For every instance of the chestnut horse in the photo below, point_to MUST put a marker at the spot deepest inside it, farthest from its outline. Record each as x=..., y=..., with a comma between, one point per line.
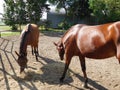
x=29, y=36
x=97, y=42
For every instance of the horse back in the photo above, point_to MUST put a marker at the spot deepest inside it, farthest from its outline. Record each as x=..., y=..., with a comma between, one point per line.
x=32, y=34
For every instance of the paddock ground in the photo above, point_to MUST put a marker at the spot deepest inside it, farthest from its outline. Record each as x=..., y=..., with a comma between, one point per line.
x=45, y=74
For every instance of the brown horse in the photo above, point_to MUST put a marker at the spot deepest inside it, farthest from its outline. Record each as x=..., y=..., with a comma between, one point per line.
x=29, y=36
x=97, y=42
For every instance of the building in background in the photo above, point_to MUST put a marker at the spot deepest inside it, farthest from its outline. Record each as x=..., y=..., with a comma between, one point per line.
x=55, y=17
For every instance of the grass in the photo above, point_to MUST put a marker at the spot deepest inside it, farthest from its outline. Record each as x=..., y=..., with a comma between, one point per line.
x=5, y=34
x=8, y=31
x=3, y=27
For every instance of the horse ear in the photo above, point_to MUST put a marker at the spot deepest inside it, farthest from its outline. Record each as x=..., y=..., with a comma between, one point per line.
x=17, y=53
x=55, y=43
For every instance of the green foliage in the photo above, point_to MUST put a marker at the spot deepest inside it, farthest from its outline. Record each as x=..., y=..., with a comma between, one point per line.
x=64, y=25
x=23, y=11
x=105, y=10
x=79, y=8
x=62, y=4
x=73, y=8
x=14, y=13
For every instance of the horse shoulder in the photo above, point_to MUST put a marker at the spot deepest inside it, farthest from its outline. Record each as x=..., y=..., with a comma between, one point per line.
x=69, y=41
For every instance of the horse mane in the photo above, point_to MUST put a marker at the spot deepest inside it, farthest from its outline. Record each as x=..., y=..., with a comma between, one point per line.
x=23, y=37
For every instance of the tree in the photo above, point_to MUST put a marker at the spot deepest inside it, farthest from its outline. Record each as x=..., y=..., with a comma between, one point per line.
x=73, y=8
x=35, y=9
x=61, y=4
x=23, y=11
x=80, y=8
x=105, y=10
x=10, y=13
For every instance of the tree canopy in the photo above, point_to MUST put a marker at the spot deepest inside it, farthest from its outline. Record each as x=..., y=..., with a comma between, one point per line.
x=30, y=11
x=105, y=10
x=23, y=11
x=73, y=7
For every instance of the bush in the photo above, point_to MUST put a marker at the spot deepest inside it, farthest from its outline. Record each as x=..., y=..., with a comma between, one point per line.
x=14, y=27
x=64, y=25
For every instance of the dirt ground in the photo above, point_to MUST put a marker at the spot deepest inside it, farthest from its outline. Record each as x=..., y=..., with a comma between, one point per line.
x=45, y=74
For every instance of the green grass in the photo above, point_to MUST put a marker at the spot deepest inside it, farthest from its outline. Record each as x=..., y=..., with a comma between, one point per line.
x=9, y=32
x=5, y=34
x=3, y=27
x=6, y=31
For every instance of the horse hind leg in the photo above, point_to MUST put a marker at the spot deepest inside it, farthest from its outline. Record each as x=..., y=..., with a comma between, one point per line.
x=118, y=59
x=118, y=53
x=83, y=66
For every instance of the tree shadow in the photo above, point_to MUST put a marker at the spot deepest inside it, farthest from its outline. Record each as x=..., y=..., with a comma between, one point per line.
x=4, y=43
x=50, y=72
x=90, y=82
x=53, y=71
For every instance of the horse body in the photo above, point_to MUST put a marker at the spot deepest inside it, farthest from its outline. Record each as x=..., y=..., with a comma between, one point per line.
x=29, y=36
x=97, y=42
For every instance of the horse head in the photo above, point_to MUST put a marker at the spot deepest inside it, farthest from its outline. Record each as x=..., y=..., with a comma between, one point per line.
x=60, y=49
x=22, y=61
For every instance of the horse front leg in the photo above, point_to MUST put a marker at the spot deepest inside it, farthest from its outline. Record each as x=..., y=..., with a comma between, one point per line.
x=36, y=53
x=32, y=50
x=67, y=62
x=83, y=66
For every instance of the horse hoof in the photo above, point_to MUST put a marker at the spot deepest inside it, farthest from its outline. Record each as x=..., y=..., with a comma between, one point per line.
x=36, y=60
x=85, y=86
x=61, y=80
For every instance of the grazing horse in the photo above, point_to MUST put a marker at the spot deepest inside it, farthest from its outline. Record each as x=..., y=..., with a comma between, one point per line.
x=97, y=42
x=29, y=36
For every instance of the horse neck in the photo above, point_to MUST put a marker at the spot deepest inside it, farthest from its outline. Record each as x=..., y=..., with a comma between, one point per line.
x=23, y=43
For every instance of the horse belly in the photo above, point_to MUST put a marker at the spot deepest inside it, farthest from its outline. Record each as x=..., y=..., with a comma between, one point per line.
x=103, y=52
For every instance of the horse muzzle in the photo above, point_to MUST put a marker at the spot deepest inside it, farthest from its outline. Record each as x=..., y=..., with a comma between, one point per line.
x=21, y=70
x=61, y=58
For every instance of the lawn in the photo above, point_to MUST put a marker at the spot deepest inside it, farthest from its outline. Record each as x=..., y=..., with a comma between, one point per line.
x=4, y=34
x=6, y=31
x=3, y=27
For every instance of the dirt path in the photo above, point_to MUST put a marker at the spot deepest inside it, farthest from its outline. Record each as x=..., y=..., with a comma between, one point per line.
x=45, y=74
